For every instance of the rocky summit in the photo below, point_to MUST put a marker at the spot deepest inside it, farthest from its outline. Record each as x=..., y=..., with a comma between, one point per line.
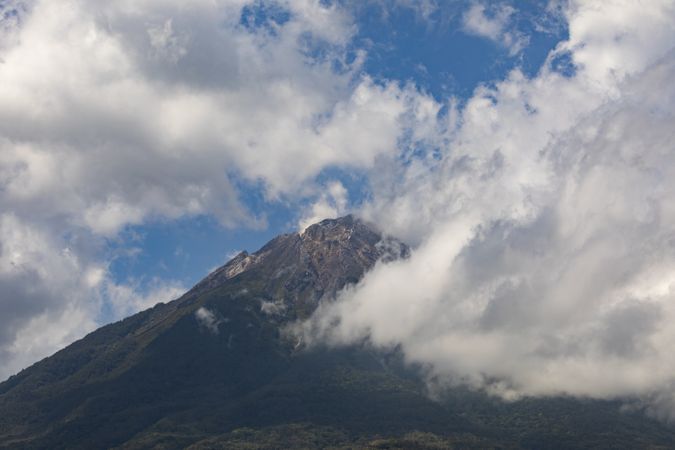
x=214, y=369
x=298, y=270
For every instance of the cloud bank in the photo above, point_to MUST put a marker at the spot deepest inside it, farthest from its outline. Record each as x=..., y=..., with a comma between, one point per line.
x=543, y=217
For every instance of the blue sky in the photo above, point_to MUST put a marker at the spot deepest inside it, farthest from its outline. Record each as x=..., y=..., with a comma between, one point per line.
x=435, y=53
x=524, y=150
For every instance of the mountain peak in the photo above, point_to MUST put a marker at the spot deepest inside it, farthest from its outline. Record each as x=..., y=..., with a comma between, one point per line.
x=344, y=223
x=299, y=269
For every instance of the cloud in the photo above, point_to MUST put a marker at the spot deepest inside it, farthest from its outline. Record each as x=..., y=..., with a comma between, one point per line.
x=271, y=308
x=207, y=319
x=129, y=298
x=331, y=203
x=34, y=273
x=494, y=24
x=147, y=111
x=53, y=293
x=167, y=43
x=544, y=230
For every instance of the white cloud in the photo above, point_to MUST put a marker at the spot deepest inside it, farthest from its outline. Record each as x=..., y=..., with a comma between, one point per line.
x=494, y=25
x=271, y=308
x=545, y=230
x=332, y=203
x=43, y=334
x=207, y=319
x=618, y=39
x=53, y=293
x=127, y=299
x=114, y=115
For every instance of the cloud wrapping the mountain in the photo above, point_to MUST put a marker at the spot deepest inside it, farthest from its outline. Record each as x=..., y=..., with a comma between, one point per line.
x=545, y=231
x=207, y=319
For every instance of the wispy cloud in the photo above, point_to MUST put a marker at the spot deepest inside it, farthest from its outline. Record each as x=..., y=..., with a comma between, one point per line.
x=495, y=24
x=207, y=319
x=332, y=203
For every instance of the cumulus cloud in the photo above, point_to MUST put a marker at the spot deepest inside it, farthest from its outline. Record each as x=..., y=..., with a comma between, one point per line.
x=54, y=293
x=44, y=294
x=113, y=115
x=544, y=232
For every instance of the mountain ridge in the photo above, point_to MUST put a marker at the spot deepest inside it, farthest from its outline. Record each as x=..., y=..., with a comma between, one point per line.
x=244, y=261
x=213, y=369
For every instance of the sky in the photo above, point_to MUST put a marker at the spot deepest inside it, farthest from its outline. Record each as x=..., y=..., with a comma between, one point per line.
x=524, y=149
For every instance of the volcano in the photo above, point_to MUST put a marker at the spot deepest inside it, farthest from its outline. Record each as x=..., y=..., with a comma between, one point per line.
x=218, y=368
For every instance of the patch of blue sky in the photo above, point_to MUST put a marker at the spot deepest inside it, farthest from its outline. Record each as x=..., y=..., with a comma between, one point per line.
x=563, y=64
x=264, y=15
x=186, y=249
x=437, y=55
x=354, y=181
x=11, y=14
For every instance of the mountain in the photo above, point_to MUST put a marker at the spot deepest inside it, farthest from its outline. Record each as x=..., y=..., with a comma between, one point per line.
x=215, y=369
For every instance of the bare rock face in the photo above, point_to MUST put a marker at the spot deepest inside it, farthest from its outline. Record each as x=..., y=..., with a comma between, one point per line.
x=300, y=269
x=240, y=263
x=337, y=252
